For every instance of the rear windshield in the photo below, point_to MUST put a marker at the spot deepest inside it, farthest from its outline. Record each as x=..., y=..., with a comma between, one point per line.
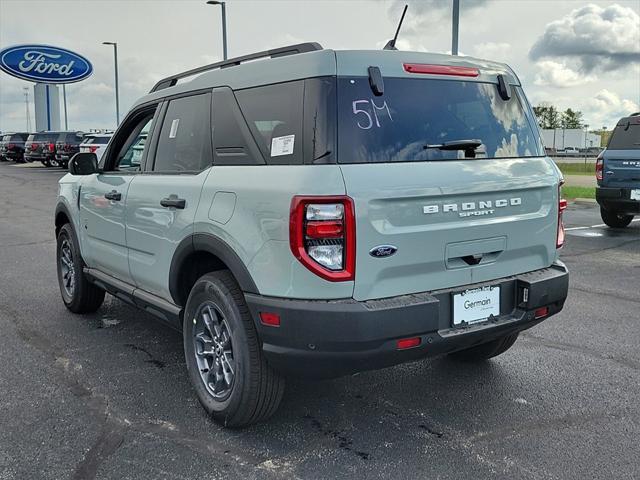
x=49, y=137
x=100, y=140
x=18, y=137
x=70, y=137
x=625, y=137
x=415, y=116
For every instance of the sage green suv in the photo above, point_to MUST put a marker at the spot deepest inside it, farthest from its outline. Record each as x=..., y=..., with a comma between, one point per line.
x=305, y=211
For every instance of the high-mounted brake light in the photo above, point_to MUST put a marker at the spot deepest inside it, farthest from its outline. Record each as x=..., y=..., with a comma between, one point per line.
x=441, y=70
x=562, y=206
x=322, y=235
x=599, y=167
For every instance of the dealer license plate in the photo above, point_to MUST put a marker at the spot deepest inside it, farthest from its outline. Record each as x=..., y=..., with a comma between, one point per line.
x=635, y=194
x=476, y=305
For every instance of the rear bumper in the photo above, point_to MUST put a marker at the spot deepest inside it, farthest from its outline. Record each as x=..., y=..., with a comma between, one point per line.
x=332, y=338
x=617, y=200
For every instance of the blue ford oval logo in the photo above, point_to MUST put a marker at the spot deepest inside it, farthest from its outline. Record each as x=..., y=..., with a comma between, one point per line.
x=44, y=63
x=383, y=251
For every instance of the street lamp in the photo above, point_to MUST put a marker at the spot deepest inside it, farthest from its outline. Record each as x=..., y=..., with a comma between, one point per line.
x=455, y=21
x=115, y=61
x=224, y=25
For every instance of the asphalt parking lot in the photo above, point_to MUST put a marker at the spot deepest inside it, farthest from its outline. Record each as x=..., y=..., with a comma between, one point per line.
x=107, y=395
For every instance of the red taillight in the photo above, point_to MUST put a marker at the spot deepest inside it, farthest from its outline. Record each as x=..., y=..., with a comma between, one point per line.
x=405, y=343
x=10, y=146
x=441, y=70
x=322, y=235
x=92, y=148
x=562, y=206
x=541, y=312
x=52, y=147
x=599, y=167
x=270, y=319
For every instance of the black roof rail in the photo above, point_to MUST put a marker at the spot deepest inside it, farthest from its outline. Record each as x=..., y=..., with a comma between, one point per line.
x=232, y=62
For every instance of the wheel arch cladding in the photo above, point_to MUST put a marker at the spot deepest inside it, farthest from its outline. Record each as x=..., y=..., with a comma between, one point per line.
x=204, y=253
x=61, y=217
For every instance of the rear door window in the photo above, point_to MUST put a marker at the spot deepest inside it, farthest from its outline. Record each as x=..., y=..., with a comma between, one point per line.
x=625, y=137
x=184, y=143
x=274, y=115
x=416, y=116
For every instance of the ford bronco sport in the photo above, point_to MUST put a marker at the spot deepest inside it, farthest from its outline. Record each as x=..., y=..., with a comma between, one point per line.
x=618, y=174
x=320, y=213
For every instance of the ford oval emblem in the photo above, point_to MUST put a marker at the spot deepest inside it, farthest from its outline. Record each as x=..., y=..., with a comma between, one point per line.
x=44, y=63
x=383, y=251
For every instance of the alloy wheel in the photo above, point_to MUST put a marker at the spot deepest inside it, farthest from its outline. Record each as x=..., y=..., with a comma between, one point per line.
x=67, y=268
x=213, y=349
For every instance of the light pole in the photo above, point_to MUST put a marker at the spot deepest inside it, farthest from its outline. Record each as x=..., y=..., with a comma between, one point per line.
x=64, y=96
x=224, y=25
x=26, y=107
x=115, y=61
x=455, y=20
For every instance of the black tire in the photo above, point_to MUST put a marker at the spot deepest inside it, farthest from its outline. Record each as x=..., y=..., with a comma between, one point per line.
x=255, y=390
x=487, y=350
x=615, y=220
x=82, y=297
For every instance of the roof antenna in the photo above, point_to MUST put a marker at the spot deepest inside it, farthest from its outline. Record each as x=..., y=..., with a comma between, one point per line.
x=391, y=44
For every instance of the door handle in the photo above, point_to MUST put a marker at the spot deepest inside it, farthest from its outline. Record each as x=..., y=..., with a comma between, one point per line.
x=113, y=195
x=173, y=201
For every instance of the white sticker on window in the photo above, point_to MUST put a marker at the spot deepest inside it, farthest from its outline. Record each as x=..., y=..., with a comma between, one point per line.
x=282, y=145
x=174, y=128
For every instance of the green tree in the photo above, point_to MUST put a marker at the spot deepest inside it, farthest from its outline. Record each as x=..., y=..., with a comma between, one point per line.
x=548, y=116
x=571, y=119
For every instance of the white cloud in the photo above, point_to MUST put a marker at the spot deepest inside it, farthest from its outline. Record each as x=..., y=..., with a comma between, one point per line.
x=606, y=108
x=559, y=75
x=498, y=52
x=597, y=37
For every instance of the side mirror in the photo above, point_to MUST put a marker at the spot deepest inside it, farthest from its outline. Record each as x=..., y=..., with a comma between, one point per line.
x=83, y=163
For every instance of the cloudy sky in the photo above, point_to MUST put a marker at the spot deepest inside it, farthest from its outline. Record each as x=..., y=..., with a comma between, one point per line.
x=579, y=54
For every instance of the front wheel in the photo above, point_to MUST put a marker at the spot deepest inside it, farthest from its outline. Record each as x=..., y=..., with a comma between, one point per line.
x=232, y=380
x=487, y=350
x=78, y=294
x=615, y=220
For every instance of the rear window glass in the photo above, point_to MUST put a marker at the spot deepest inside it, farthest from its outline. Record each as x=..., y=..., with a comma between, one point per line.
x=625, y=137
x=17, y=137
x=415, y=116
x=185, y=138
x=70, y=137
x=101, y=140
x=49, y=137
x=274, y=115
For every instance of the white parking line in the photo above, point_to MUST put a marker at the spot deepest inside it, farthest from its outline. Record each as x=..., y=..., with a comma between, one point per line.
x=594, y=226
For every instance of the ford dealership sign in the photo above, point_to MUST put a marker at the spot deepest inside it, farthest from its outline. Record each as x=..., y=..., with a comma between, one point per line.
x=44, y=64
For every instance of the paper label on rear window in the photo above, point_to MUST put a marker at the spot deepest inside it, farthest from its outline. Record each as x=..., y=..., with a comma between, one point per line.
x=174, y=128
x=282, y=145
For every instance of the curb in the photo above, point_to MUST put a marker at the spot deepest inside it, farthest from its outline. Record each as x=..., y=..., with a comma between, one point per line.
x=584, y=201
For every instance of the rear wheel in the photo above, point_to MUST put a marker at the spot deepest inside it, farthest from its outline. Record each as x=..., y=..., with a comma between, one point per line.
x=487, y=350
x=46, y=163
x=232, y=380
x=78, y=294
x=615, y=220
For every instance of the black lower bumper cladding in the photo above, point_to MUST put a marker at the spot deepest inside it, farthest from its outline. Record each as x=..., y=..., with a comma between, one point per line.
x=319, y=338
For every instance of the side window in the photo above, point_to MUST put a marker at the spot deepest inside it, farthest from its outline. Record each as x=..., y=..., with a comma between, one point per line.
x=274, y=115
x=131, y=157
x=184, y=143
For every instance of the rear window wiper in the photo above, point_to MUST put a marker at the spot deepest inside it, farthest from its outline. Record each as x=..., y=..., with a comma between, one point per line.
x=469, y=146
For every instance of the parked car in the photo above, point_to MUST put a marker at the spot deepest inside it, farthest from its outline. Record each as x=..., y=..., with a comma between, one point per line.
x=337, y=211
x=618, y=174
x=571, y=152
x=12, y=146
x=2, y=141
x=67, y=145
x=95, y=143
x=41, y=147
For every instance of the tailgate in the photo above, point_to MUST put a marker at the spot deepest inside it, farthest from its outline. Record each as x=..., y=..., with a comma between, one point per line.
x=621, y=169
x=453, y=223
